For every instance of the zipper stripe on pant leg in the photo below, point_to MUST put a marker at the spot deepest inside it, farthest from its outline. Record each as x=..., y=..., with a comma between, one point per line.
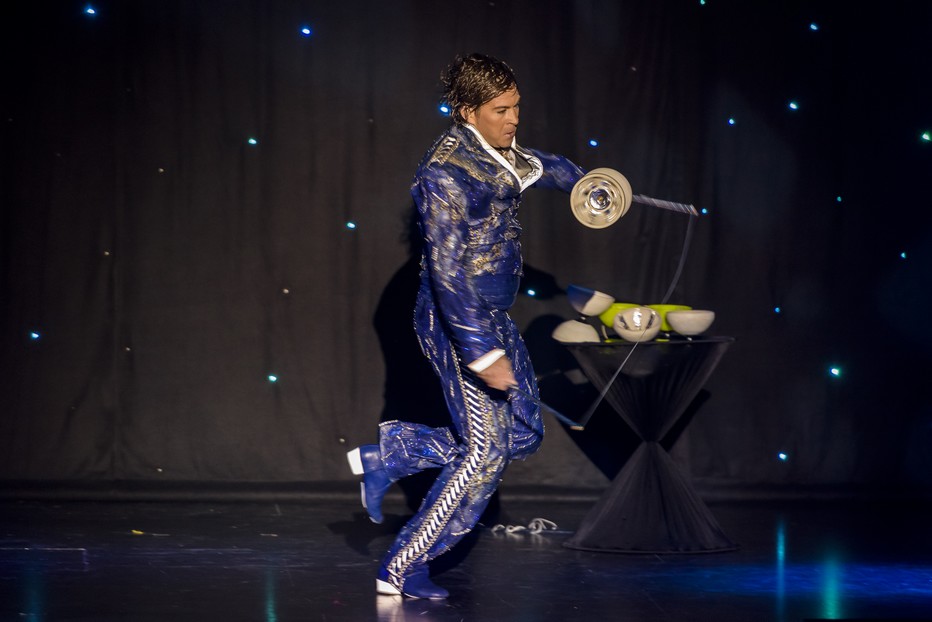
x=451, y=497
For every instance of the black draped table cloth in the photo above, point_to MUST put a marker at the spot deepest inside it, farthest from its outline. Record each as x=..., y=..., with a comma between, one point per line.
x=650, y=506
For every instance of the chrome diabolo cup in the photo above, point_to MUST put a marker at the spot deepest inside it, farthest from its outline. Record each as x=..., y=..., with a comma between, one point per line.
x=600, y=198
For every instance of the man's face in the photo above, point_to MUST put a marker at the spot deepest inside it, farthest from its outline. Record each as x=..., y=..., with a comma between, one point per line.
x=497, y=119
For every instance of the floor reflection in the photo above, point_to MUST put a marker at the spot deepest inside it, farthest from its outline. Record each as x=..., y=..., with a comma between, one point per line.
x=317, y=561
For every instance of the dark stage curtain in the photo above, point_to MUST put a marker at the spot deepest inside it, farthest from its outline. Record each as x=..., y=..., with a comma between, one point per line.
x=168, y=267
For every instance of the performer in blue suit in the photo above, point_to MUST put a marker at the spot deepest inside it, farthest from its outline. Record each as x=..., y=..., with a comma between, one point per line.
x=467, y=190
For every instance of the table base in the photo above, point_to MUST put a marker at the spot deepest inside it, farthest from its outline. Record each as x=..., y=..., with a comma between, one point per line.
x=650, y=508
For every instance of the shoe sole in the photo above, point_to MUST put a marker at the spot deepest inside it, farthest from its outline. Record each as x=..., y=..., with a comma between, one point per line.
x=355, y=462
x=387, y=589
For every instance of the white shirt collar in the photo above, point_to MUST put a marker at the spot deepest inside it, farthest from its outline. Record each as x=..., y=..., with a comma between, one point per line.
x=494, y=152
x=536, y=166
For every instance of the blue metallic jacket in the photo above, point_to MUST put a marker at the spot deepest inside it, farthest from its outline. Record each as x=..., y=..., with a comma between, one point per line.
x=467, y=196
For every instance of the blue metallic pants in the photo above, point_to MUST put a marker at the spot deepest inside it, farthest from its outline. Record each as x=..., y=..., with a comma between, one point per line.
x=489, y=430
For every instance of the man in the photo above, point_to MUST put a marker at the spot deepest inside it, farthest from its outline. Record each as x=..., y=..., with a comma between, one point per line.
x=467, y=190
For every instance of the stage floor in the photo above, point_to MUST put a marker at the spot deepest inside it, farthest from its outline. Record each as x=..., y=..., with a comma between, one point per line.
x=316, y=560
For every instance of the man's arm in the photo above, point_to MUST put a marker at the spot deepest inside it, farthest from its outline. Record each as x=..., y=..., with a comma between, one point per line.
x=443, y=203
x=559, y=172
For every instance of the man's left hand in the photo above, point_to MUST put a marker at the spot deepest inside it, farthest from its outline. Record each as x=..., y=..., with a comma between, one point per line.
x=499, y=375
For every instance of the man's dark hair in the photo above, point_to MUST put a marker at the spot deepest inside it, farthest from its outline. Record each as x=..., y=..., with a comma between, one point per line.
x=474, y=80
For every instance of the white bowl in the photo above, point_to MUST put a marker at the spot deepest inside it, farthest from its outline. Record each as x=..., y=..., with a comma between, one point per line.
x=691, y=322
x=637, y=324
x=587, y=301
x=574, y=331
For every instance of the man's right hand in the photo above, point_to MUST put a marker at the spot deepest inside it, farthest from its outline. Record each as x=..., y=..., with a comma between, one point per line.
x=499, y=375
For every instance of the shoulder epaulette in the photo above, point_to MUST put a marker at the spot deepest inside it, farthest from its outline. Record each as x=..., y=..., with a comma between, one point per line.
x=444, y=150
